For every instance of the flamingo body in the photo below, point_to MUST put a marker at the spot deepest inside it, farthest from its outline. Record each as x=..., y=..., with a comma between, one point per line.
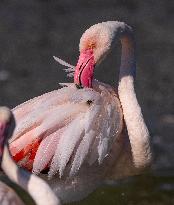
x=87, y=131
x=37, y=188
x=7, y=194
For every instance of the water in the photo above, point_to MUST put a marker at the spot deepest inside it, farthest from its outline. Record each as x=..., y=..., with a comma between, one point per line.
x=155, y=188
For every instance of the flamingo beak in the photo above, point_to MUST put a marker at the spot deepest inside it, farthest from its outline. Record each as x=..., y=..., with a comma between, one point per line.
x=84, y=70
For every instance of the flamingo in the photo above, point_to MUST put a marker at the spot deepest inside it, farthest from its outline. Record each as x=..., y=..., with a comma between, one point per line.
x=87, y=132
x=37, y=188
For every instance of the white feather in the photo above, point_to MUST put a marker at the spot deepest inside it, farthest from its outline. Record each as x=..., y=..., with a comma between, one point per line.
x=102, y=148
x=66, y=145
x=46, y=151
x=91, y=117
x=70, y=75
x=93, y=154
x=62, y=62
x=104, y=135
x=66, y=84
x=70, y=68
x=82, y=152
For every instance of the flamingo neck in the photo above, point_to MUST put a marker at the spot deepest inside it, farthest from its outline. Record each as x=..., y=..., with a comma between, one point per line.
x=37, y=188
x=136, y=127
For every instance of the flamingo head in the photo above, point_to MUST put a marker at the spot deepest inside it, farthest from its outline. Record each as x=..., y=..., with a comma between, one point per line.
x=94, y=44
x=5, y=118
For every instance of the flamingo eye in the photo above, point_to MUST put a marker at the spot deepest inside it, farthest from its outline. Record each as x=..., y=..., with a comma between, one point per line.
x=92, y=45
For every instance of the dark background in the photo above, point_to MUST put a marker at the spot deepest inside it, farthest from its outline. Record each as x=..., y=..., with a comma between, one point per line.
x=31, y=32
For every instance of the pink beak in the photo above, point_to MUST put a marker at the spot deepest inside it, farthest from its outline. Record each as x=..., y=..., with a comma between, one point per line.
x=85, y=69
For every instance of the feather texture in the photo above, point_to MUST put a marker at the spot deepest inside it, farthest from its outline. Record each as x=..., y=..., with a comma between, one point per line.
x=70, y=68
x=68, y=127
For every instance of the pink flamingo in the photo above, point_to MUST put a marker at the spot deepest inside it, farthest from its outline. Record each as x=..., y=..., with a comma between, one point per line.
x=37, y=188
x=76, y=134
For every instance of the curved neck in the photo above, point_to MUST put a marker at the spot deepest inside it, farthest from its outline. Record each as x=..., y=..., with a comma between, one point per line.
x=37, y=188
x=128, y=63
x=136, y=127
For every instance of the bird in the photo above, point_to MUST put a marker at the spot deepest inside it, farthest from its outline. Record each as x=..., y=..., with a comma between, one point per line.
x=36, y=187
x=87, y=132
x=7, y=194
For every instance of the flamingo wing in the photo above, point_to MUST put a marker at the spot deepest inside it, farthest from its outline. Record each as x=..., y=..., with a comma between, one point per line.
x=63, y=129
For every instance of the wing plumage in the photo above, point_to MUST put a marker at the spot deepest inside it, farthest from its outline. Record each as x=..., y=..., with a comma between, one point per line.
x=70, y=69
x=64, y=129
